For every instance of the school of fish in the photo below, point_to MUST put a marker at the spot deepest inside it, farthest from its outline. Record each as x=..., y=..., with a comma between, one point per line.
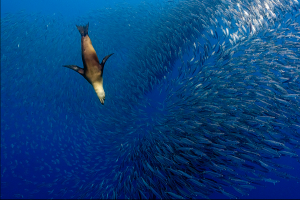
x=202, y=97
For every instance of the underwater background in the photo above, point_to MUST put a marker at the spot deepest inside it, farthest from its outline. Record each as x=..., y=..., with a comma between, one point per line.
x=202, y=100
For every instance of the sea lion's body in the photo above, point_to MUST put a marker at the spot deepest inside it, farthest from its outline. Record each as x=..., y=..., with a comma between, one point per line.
x=93, y=69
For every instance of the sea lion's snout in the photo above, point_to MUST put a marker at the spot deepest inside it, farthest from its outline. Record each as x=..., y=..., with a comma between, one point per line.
x=102, y=101
x=100, y=93
x=101, y=96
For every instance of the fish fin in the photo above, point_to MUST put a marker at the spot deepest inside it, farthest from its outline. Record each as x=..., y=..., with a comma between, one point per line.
x=75, y=68
x=83, y=30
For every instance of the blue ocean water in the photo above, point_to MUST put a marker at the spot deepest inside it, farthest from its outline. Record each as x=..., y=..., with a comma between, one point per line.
x=202, y=100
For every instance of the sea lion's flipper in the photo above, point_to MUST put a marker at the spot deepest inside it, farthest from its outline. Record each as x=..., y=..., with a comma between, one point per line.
x=101, y=66
x=83, y=30
x=75, y=68
x=105, y=59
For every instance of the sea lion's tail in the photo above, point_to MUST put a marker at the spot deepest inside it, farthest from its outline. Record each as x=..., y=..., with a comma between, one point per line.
x=83, y=30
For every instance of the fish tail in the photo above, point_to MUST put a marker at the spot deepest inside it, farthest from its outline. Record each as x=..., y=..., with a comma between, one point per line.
x=83, y=30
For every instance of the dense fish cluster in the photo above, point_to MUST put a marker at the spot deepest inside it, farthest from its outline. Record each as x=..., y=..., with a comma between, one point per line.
x=202, y=97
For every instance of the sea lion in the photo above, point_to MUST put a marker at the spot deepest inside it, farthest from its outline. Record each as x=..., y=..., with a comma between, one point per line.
x=93, y=70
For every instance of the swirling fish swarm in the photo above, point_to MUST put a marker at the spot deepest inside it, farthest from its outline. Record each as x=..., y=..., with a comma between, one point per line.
x=202, y=97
